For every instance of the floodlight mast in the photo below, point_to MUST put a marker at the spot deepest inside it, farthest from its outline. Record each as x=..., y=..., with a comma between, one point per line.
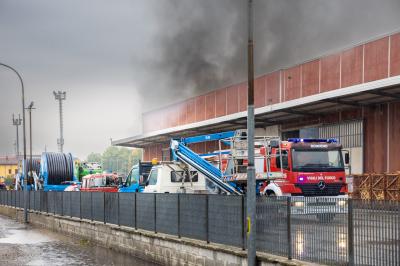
x=60, y=96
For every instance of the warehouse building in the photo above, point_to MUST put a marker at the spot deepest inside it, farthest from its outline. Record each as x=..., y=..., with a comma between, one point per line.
x=352, y=95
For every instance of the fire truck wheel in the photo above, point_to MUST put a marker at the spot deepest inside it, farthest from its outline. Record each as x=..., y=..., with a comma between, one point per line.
x=325, y=217
x=270, y=193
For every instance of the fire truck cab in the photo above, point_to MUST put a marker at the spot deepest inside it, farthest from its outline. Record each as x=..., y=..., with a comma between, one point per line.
x=310, y=167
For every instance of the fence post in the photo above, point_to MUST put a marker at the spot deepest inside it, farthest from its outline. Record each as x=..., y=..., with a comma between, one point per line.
x=62, y=203
x=135, y=211
x=207, y=222
x=179, y=216
x=155, y=213
x=350, y=231
x=80, y=205
x=69, y=199
x=242, y=223
x=119, y=223
x=91, y=205
x=289, y=227
x=104, y=207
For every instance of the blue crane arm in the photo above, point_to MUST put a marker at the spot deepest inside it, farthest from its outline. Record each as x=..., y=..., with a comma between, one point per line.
x=186, y=155
x=209, y=137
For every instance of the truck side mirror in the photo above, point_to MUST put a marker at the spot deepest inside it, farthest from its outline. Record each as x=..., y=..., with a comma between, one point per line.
x=347, y=158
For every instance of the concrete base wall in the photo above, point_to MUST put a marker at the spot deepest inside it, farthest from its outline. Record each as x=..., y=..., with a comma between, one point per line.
x=159, y=248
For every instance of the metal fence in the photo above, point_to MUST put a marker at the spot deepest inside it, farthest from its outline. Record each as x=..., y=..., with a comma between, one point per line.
x=355, y=233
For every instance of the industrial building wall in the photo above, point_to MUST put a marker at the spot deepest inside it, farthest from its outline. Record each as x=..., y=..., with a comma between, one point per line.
x=371, y=61
x=372, y=134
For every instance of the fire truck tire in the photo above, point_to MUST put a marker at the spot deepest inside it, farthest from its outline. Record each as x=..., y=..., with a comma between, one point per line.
x=270, y=193
x=325, y=217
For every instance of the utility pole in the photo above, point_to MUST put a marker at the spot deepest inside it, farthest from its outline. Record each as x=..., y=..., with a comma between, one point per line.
x=29, y=108
x=251, y=181
x=60, y=96
x=23, y=131
x=17, y=123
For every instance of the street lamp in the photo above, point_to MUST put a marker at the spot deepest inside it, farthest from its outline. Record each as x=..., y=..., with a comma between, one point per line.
x=30, y=107
x=23, y=129
x=251, y=180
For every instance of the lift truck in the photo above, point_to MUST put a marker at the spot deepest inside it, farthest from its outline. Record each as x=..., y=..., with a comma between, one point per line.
x=300, y=168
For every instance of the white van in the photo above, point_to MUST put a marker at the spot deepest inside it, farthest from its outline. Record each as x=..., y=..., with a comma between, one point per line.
x=168, y=177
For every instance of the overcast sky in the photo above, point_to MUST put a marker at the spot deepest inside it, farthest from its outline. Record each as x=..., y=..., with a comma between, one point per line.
x=117, y=58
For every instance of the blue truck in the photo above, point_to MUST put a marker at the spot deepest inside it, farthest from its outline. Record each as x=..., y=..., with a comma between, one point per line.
x=137, y=178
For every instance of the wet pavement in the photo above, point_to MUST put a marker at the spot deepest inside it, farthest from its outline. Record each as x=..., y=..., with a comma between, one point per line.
x=24, y=245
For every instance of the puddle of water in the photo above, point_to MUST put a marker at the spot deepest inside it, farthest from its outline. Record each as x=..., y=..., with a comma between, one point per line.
x=24, y=237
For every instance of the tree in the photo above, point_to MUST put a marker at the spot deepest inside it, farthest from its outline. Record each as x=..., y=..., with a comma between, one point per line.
x=120, y=160
x=94, y=157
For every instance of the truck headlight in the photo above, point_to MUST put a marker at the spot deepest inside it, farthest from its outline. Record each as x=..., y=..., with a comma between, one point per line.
x=299, y=204
x=342, y=203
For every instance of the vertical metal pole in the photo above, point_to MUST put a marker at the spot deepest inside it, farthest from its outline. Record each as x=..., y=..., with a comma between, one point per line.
x=135, y=211
x=80, y=205
x=155, y=213
x=350, y=232
x=251, y=182
x=207, y=222
x=91, y=205
x=119, y=223
x=179, y=216
x=23, y=131
x=243, y=218
x=289, y=227
x=61, y=126
x=30, y=140
x=104, y=208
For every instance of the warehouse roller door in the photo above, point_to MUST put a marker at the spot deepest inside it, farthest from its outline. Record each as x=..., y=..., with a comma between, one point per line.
x=350, y=135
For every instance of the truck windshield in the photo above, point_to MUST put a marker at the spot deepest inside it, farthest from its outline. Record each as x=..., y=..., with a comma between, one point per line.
x=153, y=177
x=317, y=160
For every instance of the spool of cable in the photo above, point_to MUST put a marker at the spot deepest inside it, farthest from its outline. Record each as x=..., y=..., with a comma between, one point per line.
x=57, y=167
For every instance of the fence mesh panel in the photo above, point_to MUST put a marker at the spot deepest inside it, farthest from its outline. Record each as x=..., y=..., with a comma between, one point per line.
x=225, y=216
x=17, y=199
x=37, y=200
x=145, y=212
x=43, y=201
x=86, y=205
x=111, y=208
x=167, y=213
x=193, y=216
x=51, y=202
x=66, y=199
x=376, y=232
x=58, y=202
x=319, y=229
x=32, y=200
x=75, y=203
x=127, y=209
x=98, y=206
x=13, y=198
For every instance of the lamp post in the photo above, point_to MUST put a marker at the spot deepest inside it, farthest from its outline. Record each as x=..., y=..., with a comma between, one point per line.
x=251, y=182
x=30, y=107
x=24, y=138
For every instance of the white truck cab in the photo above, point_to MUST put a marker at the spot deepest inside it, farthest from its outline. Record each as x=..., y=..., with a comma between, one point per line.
x=168, y=177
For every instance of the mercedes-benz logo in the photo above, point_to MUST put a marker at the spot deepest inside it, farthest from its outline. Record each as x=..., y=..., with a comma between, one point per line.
x=321, y=185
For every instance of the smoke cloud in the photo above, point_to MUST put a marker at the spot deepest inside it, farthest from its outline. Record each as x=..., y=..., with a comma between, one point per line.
x=116, y=60
x=201, y=45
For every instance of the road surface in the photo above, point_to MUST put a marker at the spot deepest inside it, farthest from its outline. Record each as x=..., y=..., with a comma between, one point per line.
x=23, y=245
